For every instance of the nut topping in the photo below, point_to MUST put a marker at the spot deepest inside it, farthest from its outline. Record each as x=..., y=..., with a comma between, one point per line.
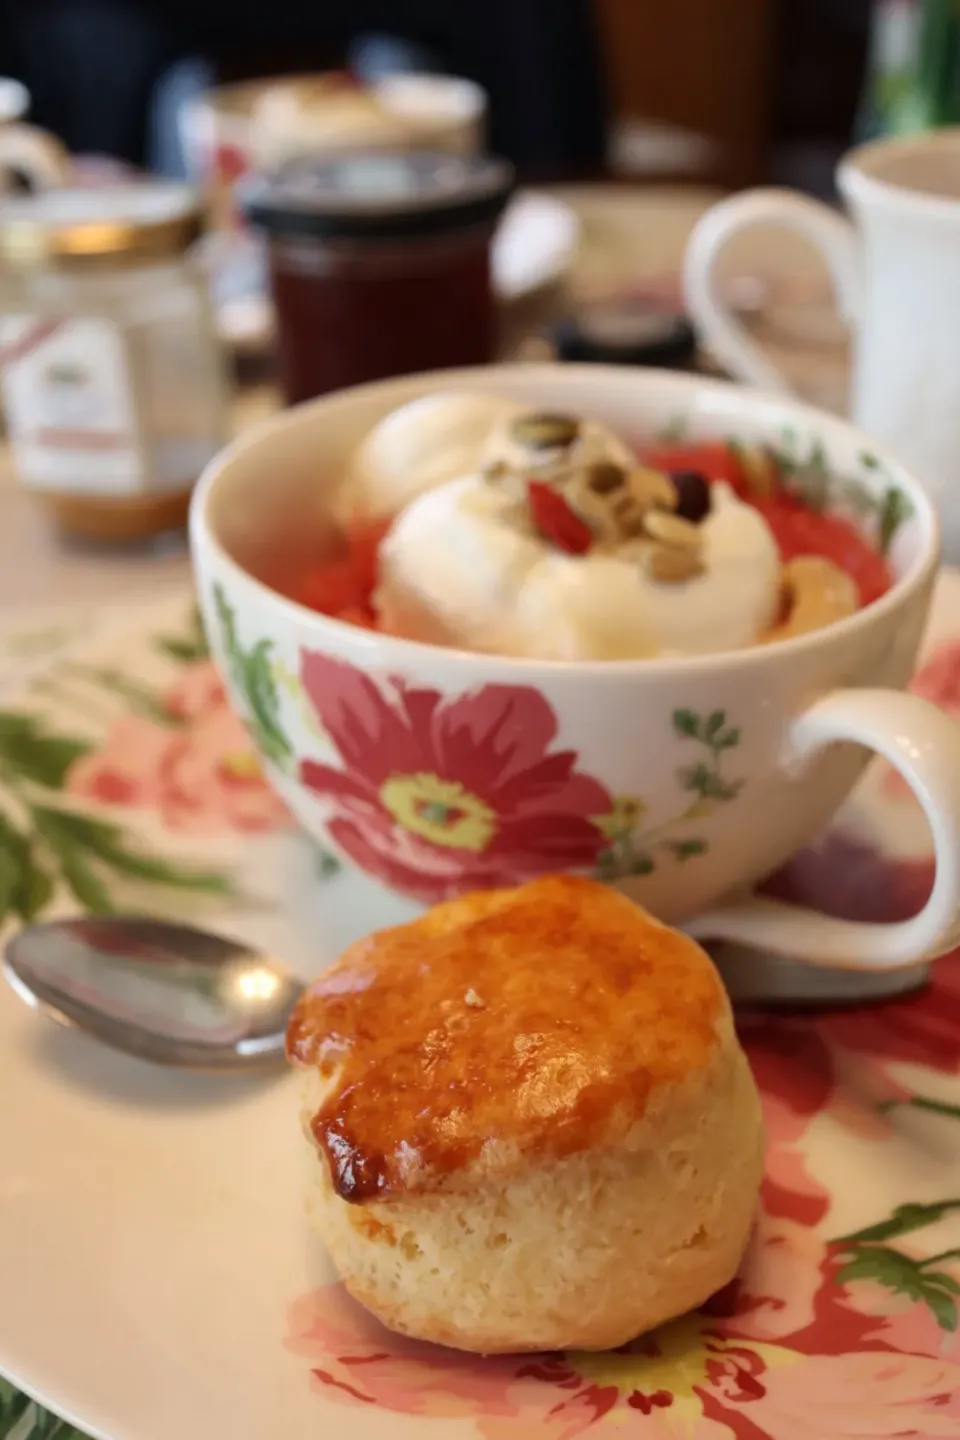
x=653, y=488
x=672, y=564
x=545, y=431
x=578, y=504
x=672, y=530
x=631, y=518
x=606, y=477
x=816, y=593
x=760, y=469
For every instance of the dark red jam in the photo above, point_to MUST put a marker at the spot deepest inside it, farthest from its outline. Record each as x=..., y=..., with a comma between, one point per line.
x=380, y=265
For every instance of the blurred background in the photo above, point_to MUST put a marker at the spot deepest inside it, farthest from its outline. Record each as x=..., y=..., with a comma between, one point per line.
x=730, y=93
x=591, y=134
x=733, y=93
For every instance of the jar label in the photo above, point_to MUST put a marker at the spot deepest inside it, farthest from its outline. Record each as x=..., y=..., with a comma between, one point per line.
x=69, y=405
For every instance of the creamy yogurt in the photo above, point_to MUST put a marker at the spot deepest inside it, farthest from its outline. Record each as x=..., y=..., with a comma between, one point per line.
x=419, y=446
x=462, y=566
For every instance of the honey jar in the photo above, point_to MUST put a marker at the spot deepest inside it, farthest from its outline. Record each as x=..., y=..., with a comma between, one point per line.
x=111, y=378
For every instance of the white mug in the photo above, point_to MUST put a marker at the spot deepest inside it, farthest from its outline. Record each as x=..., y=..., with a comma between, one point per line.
x=896, y=271
x=683, y=781
x=25, y=149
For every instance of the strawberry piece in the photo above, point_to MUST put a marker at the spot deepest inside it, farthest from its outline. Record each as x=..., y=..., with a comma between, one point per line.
x=364, y=541
x=361, y=615
x=555, y=520
x=714, y=459
x=343, y=587
x=331, y=587
x=799, y=531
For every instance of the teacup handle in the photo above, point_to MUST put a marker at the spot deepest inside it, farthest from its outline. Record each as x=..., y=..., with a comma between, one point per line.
x=36, y=154
x=825, y=228
x=924, y=745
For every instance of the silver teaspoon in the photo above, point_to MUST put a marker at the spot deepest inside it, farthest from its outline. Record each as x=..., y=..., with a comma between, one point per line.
x=167, y=993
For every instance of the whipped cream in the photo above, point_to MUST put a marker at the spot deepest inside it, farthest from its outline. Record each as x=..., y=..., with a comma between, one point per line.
x=419, y=446
x=462, y=566
x=445, y=436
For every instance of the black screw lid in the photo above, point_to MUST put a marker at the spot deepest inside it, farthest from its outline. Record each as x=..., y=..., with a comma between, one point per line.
x=627, y=333
x=377, y=194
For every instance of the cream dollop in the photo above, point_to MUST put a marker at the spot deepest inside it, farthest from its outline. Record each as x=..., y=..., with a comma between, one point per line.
x=462, y=566
x=444, y=436
x=419, y=446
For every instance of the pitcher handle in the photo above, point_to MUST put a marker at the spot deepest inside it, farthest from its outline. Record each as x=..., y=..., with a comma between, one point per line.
x=36, y=154
x=824, y=227
x=924, y=745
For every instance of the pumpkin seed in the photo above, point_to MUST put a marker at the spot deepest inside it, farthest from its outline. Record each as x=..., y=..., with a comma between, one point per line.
x=605, y=477
x=672, y=564
x=672, y=530
x=545, y=431
x=652, y=487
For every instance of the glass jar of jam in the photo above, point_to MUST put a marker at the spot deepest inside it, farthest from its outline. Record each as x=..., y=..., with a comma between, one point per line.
x=379, y=264
x=111, y=377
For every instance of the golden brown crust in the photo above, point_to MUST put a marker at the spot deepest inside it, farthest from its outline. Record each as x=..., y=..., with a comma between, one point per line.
x=540, y=1018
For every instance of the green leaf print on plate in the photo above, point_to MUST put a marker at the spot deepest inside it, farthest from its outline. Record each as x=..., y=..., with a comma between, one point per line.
x=48, y=846
x=903, y=1275
x=923, y=1102
x=22, y=1419
x=84, y=847
x=85, y=854
x=252, y=673
x=631, y=849
x=864, y=1256
x=26, y=887
x=193, y=645
x=27, y=752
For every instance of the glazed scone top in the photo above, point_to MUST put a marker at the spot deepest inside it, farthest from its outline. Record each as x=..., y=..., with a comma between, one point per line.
x=539, y=1020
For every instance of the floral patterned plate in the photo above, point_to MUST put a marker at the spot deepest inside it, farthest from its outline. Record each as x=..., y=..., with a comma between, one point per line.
x=158, y=1275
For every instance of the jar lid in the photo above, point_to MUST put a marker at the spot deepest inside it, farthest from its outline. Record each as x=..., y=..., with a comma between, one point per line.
x=377, y=194
x=135, y=221
x=629, y=332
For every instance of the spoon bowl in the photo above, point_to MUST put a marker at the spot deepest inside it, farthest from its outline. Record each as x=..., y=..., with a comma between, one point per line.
x=168, y=993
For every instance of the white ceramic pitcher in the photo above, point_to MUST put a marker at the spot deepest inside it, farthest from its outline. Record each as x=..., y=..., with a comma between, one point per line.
x=896, y=271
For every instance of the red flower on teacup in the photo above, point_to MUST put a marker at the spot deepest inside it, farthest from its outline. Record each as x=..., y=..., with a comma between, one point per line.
x=439, y=794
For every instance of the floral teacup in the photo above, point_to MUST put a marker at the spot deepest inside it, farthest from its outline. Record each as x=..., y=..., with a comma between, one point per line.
x=684, y=781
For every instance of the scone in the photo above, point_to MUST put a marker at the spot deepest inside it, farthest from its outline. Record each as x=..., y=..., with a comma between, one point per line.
x=532, y=1125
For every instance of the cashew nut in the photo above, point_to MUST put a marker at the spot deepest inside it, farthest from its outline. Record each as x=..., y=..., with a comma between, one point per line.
x=816, y=593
